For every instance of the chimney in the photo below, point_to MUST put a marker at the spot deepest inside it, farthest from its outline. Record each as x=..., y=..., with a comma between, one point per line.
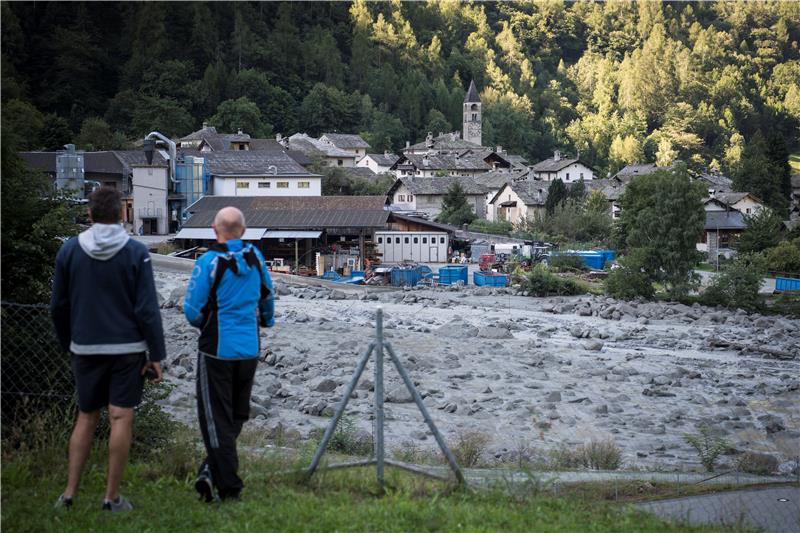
x=386, y=153
x=239, y=132
x=441, y=134
x=408, y=144
x=425, y=160
x=205, y=125
x=278, y=137
x=499, y=149
x=557, y=155
x=429, y=140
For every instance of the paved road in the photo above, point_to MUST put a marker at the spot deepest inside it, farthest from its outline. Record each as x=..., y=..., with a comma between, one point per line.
x=772, y=510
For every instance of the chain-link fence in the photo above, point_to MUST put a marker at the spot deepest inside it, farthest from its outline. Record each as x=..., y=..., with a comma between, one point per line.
x=36, y=374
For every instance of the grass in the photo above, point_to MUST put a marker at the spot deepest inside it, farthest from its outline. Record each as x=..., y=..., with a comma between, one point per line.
x=331, y=501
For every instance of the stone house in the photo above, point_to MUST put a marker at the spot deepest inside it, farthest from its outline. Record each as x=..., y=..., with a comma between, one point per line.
x=351, y=143
x=424, y=195
x=567, y=169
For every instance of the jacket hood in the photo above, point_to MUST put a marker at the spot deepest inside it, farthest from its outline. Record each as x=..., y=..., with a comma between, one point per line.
x=103, y=241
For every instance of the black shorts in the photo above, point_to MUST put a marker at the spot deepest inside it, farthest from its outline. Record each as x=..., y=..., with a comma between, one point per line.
x=104, y=380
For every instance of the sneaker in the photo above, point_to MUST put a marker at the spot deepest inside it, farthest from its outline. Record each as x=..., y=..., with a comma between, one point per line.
x=66, y=503
x=121, y=503
x=204, y=486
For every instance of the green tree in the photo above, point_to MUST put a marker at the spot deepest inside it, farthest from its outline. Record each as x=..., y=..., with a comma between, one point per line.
x=763, y=231
x=22, y=124
x=242, y=113
x=437, y=123
x=55, y=133
x=764, y=171
x=557, y=194
x=596, y=202
x=327, y=109
x=95, y=134
x=34, y=222
x=455, y=207
x=386, y=132
x=577, y=191
x=785, y=257
x=738, y=284
x=662, y=216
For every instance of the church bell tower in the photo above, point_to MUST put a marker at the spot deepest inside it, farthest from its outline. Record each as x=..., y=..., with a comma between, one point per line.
x=472, y=115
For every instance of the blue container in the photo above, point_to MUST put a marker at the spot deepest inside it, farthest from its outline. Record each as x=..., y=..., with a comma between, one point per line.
x=591, y=259
x=451, y=274
x=608, y=255
x=332, y=275
x=787, y=284
x=490, y=279
x=410, y=276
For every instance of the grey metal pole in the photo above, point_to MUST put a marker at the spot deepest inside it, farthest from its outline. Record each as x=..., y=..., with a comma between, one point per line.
x=428, y=420
x=379, y=451
x=326, y=437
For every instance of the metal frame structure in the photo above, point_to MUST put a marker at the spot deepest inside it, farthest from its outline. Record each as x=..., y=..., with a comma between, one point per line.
x=379, y=460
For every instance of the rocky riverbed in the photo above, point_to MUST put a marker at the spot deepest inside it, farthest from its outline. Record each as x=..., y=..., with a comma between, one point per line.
x=531, y=373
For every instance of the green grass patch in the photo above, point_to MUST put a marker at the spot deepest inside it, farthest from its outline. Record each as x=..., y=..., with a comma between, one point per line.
x=331, y=501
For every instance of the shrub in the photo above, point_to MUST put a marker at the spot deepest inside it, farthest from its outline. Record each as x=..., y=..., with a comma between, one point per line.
x=498, y=227
x=629, y=280
x=708, y=446
x=468, y=447
x=785, y=257
x=411, y=452
x=738, y=283
x=541, y=282
x=597, y=454
x=563, y=263
x=346, y=439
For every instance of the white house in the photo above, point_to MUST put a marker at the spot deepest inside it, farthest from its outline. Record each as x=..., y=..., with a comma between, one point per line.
x=378, y=163
x=260, y=173
x=494, y=180
x=517, y=201
x=744, y=202
x=150, y=188
x=432, y=165
x=425, y=195
x=567, y=169
x=351, y=143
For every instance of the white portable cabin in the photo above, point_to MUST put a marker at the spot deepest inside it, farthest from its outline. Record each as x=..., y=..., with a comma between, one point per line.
x=420, y=246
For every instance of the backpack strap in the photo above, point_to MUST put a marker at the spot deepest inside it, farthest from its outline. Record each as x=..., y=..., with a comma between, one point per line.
x=251, y=259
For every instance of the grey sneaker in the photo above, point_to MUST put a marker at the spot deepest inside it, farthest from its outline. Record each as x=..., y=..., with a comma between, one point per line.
x=120, y=504
x=204, y=486
x=66, y=503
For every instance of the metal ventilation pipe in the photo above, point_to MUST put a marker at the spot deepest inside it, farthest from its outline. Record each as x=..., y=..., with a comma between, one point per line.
x=173, y=151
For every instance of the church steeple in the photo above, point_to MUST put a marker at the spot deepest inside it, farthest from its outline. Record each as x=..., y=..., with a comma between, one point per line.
x=472, y=115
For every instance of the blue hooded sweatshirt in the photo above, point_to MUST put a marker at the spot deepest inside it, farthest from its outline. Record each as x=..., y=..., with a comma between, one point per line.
x=229, y=295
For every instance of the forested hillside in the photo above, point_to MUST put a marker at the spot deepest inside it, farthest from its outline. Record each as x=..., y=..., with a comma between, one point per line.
x=619, y=81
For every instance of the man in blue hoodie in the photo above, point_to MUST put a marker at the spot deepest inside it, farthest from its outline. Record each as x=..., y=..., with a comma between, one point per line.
x=229, y=296
x=106, y=314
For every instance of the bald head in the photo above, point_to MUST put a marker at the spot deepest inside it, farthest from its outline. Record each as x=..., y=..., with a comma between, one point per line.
x=228, y=224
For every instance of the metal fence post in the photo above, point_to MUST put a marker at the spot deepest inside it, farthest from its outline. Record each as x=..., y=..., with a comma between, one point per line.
x=379, y=451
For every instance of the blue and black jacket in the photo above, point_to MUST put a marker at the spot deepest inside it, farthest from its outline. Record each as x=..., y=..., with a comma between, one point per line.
x=229, y=296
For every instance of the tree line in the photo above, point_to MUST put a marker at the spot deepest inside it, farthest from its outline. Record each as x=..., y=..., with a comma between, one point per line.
x=621, y=82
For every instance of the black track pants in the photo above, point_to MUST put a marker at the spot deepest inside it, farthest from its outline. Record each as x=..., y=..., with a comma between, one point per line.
x=223, y=406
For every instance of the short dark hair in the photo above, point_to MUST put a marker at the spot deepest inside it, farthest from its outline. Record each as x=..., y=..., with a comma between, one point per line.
x=105, y=205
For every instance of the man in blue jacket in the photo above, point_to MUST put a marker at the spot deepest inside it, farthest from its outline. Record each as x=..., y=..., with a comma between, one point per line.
x=106, y=314
x=229, y=296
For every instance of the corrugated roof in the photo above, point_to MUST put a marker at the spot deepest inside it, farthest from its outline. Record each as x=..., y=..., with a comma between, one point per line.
x=345, y=140
x=472, y=93
x=251, y=163
x=296, y=212
x=105, y=162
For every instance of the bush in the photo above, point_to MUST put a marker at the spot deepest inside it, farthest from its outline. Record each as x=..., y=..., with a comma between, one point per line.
x=468, y=447
x=738, y=283
x=541, y=282
x=346, y=439
x=597, y=454
x=708, y=446
x=498, y=227
x=563, y=263
x=630, y=280
x=785, y=257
